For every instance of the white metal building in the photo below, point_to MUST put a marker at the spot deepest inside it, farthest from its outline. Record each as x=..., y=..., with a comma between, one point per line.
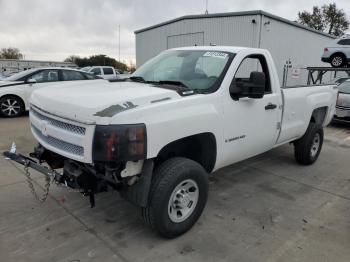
x=11, y=66
x=283, y=38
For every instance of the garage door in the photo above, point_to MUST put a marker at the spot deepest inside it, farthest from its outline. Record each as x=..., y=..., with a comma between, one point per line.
x=185, y=40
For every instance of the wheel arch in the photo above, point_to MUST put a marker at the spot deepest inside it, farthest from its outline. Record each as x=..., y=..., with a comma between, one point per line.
x=201, y=148
x=17, y=96
x=338, y=53
x=318, y=115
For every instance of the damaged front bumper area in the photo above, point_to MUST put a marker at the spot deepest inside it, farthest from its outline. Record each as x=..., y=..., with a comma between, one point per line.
x=88, y=179
x=31, y=163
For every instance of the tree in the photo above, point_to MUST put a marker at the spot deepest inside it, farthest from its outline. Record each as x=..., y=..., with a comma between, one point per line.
x=96, y=60
x=327, y=18
x=71, y=58
x=10, y=53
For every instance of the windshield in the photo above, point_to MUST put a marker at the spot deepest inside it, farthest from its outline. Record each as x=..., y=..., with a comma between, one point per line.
x=19, y=75
x=197, y=70
x=344, y=87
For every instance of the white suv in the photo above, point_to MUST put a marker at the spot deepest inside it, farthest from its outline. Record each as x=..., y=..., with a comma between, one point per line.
x=338, y=52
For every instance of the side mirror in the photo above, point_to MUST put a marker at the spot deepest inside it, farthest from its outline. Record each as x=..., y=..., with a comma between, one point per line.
x=254, y=87
x=31, y=81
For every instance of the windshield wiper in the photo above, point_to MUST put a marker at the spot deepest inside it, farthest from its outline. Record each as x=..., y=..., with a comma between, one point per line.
x=170, y=82
x=162, y=82
x=137, y=79
x=140, y=79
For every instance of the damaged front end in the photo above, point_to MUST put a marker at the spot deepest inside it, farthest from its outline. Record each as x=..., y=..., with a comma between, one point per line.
x=131, y=178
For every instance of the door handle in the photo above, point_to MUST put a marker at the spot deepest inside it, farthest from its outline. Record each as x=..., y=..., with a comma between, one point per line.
x=270, y=106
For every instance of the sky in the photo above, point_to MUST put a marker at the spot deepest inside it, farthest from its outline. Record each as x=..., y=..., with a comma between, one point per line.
x=54, y=30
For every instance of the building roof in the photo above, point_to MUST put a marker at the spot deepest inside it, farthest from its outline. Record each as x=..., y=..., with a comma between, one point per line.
x=244, y=13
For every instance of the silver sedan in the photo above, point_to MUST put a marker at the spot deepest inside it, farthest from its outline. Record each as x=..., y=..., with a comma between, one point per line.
x=343, y=103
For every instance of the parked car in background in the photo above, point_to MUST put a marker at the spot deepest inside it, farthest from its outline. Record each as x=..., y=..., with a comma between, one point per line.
x=105, y=72
x=340, y=80
x=338, y=52
x=16, y=89
x=342, y=112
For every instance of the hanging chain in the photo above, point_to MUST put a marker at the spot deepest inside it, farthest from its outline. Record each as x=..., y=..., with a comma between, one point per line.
x=31, y=185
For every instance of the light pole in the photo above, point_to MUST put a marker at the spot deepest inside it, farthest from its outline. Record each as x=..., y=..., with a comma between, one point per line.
x=119, y=43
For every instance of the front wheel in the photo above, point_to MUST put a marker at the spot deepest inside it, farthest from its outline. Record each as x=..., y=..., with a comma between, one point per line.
x=11, y=106
x=308, y=147
x=178, y=196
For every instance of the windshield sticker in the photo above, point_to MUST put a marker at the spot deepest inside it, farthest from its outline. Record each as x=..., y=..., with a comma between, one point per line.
x=216, y=54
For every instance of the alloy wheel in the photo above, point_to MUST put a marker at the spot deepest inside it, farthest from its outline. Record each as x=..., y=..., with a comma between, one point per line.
x=337, y=61
x=10, y=107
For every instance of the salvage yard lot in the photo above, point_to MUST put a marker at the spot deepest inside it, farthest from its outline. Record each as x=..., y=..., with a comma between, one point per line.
x=267, y=208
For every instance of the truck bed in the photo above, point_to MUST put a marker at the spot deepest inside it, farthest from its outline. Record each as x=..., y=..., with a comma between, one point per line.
x=298, y=104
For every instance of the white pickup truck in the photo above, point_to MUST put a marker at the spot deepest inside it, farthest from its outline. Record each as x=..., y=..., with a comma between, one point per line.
x=184, y=114
x=105, y=72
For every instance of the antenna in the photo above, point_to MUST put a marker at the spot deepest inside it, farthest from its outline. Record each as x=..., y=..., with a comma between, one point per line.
x=206, y=7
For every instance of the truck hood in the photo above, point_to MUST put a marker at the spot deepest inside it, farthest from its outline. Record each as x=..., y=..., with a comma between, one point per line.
x=87, y=102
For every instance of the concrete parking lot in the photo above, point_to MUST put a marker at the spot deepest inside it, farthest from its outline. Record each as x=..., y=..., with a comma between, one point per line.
x=267, y=208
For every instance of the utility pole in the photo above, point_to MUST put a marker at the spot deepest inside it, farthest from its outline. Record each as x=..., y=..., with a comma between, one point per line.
x=119, y=43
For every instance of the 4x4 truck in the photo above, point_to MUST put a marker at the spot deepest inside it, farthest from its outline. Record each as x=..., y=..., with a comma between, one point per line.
x=156, y=136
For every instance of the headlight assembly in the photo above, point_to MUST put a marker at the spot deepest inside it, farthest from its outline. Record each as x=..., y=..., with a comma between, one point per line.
x=119, y=143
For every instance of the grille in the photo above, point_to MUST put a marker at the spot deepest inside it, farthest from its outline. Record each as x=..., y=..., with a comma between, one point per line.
x=62, y=125
x=59, y=144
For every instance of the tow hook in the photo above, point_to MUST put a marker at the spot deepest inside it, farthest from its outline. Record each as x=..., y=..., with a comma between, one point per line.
x=31, y=163
x=27, y=162
x=50, y=174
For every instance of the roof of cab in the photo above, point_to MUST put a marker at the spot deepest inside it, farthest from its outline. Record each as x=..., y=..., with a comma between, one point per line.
x=231, y=49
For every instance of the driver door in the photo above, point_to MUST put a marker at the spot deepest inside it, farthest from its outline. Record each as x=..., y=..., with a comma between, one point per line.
x=250, y=125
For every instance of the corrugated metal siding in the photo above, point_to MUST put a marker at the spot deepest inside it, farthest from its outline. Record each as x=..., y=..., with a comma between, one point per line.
x=283, y=40
x=234, y=31
x=302, y=47
x=185, y=40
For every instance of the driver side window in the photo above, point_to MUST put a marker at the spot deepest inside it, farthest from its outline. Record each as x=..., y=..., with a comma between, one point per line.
x=253, y=63
x=45, y=76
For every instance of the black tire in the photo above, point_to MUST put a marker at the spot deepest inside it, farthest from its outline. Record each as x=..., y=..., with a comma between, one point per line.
x=338, y=60
x=167, y=177
x=5, y=106
x=305, y=148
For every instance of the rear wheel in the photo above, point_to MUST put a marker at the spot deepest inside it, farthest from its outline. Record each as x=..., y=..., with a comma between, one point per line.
x=338, y=60
x=308, y=148
x=178, y=196
x=11, y=106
